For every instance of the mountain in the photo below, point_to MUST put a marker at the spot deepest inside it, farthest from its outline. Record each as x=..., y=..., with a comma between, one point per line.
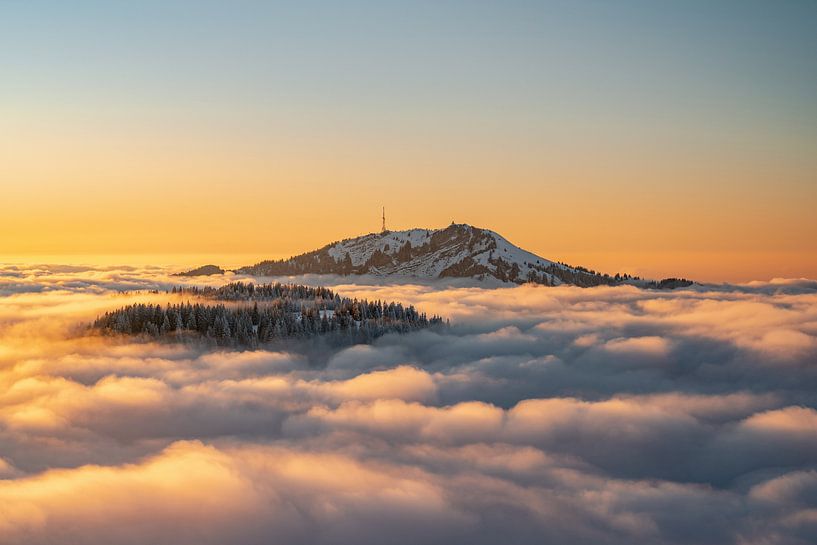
x=457, y=251
x=204, y=270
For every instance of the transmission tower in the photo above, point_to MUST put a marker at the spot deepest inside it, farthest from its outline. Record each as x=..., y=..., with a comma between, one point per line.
x=383, y=227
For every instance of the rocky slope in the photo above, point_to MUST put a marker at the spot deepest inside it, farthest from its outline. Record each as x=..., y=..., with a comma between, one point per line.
x=457, y=251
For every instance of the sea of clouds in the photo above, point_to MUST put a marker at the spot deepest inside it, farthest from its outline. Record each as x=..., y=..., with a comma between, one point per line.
x=542, y=415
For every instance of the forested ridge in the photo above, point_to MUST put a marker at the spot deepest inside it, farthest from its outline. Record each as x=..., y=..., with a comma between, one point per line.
x=248, y=291
x=278, y=312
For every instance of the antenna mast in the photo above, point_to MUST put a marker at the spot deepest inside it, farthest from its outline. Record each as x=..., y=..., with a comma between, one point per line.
x=383, y=228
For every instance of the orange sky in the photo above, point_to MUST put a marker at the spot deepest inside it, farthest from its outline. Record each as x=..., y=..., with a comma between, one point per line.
x=718, y=219
x=689, y=149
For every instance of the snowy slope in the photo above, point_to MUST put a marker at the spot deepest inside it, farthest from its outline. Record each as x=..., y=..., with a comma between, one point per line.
x=463, y=241
x=458, y=251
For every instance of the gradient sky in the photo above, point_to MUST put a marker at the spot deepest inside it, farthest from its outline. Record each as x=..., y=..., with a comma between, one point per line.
x=671, y=138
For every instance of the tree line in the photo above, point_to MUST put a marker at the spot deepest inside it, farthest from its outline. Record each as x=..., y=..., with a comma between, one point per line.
x=340, y=320
x=248, y=291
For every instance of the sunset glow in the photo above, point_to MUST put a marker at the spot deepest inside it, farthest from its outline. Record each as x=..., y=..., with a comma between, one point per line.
x=532, y=272
x=617, y=146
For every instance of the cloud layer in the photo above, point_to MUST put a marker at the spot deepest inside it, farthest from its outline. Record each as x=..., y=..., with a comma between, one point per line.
x=545, y=415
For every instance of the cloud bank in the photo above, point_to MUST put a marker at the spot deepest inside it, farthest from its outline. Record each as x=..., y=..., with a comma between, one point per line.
x=544, y=415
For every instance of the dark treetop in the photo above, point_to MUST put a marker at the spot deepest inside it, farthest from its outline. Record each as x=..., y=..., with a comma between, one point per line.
x=278, y=312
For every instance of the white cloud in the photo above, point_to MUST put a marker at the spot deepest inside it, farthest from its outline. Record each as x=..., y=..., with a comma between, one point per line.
x=609, y=415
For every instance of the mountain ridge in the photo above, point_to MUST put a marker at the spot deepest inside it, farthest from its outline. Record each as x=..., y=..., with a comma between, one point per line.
x=455, y=251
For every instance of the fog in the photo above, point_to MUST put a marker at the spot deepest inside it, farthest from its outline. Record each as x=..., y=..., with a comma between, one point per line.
x=541, y=415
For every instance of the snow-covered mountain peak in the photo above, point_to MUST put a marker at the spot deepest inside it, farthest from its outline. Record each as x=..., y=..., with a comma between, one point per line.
x=459, y=250
x=433, y=252
x=456, y=251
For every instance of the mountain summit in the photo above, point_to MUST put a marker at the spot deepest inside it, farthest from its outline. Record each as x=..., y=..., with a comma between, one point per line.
x=457, y=251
